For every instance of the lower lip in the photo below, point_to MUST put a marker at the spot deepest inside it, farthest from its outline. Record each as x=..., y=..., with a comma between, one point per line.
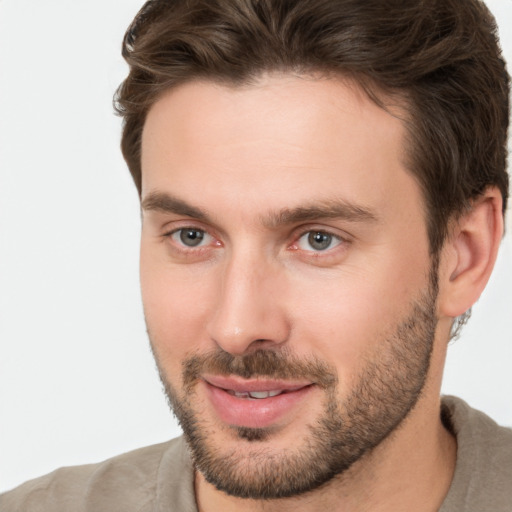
x=254, y=413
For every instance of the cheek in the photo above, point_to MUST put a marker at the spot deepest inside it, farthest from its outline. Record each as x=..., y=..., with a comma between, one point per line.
x=340, y=327
x=176, y=306
x=346, y=319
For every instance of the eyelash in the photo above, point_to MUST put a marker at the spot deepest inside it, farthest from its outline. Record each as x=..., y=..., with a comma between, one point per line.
x=185, y=250
x=332, y=238
x=294, y=246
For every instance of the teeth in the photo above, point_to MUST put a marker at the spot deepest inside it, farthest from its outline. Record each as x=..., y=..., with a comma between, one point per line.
x=255, y=394
x=263, y=394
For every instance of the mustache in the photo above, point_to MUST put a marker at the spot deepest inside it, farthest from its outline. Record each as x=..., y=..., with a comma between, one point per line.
x=260, y=363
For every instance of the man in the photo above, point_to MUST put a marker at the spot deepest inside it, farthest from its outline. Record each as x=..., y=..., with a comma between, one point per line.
x=322, y=189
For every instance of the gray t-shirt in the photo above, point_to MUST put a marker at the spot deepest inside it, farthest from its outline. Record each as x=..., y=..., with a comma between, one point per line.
x=160, y=478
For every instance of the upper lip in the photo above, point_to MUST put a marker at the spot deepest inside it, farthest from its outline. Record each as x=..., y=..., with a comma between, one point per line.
x=240, y=385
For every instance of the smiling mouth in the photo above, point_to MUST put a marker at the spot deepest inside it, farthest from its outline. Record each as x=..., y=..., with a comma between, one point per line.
x=260, y=395
x=257, y=389
x=256, y=403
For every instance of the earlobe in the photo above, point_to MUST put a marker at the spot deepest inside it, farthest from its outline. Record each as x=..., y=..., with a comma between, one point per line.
x=470, y=253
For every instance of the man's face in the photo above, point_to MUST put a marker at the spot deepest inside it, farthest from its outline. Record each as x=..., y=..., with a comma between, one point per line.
x=287, y=285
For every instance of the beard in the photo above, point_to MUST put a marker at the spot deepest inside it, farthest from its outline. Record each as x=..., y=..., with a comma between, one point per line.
x=384, y=393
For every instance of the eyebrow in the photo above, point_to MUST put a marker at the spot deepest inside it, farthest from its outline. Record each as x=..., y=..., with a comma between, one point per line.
x=165, y=203
x=327, y=209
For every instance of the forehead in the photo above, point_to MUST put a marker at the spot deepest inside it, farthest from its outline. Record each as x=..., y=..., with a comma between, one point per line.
x=286, y=139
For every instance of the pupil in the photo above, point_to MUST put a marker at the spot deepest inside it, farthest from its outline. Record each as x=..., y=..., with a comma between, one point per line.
x=191, y=237
x=319, y=240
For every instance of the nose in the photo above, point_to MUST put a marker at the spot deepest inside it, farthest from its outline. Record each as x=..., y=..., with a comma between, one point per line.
x=250, y=309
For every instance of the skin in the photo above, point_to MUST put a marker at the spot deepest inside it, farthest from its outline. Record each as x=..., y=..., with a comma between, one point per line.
x=241, y=159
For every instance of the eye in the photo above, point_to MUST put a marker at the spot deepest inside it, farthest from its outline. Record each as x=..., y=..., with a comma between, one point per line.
x=191, y=237
x=318, y=241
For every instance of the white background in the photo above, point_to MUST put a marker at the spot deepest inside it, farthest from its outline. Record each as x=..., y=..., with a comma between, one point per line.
x=77, y=380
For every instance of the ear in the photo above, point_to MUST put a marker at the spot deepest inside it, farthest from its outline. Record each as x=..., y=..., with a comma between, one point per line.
x=469, y=254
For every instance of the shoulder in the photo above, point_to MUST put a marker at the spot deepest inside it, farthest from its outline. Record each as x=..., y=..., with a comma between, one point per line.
x=476, y=431
x=483, y=471
x=125, y=483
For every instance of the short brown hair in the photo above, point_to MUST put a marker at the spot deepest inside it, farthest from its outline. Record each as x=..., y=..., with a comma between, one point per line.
x=441, y=56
